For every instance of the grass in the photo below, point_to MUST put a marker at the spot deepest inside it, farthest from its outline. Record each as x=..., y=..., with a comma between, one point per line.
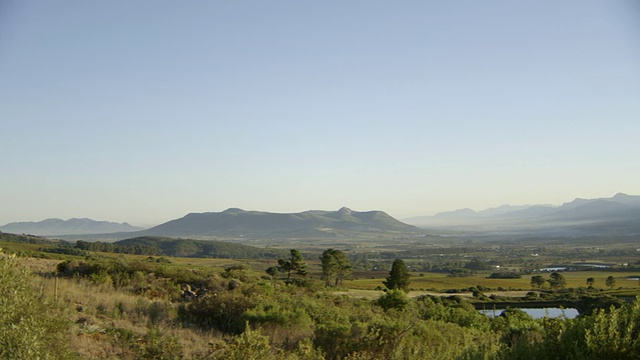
x=441, y=282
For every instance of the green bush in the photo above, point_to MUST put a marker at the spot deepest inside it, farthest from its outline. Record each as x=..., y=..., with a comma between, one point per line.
x=29, y=326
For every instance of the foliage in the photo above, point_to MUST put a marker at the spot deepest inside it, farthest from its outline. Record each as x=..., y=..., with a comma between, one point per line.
x=243, y=315
x=294, y=264
x=456, y=272
x=610, y=282
x=557, y=280
x=29, y=326
x=154, y=278
x=505, y=275
x=65, y=250
x=155, y=245
x=335, y=267
x=399, y=277
x=477, y=264
x=537, y=281
x=393, y=299
x=611, y=334
x=135, y=249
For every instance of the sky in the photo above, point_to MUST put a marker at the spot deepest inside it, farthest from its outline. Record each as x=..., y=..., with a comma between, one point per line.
x=143, y=111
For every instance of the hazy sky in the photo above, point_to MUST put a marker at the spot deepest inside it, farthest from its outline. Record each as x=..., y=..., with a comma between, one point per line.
x=144, y=111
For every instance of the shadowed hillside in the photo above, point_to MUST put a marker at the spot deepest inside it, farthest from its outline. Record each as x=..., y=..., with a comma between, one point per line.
x=201, y=248
x=240, y=223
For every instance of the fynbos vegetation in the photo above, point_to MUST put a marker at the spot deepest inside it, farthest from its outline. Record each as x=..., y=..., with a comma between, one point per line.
x=150, y=307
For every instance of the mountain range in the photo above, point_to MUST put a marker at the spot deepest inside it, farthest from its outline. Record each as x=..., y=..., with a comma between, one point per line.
x=231, y=223
x=253, y=224
x=74, y=226
x=619, y=214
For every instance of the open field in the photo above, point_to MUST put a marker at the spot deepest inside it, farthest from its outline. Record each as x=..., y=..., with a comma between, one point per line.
x=441, y=282
x=374, y=294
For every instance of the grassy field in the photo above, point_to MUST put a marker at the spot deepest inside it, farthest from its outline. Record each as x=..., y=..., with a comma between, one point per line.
x=440, y=281
x=367, y=280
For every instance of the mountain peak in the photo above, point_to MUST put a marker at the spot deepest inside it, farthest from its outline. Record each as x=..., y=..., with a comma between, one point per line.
x=344, y=210
x=233, y=211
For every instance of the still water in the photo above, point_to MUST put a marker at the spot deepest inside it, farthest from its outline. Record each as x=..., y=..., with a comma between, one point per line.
x=550, y=312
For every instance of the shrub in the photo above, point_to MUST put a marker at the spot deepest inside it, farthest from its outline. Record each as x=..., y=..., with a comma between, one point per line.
x=29, y=326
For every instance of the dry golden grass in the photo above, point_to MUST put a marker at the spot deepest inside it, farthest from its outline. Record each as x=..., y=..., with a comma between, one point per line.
x=99, y=314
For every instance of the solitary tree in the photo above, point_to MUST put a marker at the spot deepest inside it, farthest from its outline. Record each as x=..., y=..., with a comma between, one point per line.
x=610, y=282
x=590, y=282
x=335, y=267
x=557, y=281
x=398, y=276
x=294, y=264
x=537, y=281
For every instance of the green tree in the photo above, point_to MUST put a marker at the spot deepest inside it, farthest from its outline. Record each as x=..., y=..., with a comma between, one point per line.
x=557, y=281
x=537, y=281
x=610, y=282
x=590, y=281
x=335, y=267
x=399, y=277
x=294, y=264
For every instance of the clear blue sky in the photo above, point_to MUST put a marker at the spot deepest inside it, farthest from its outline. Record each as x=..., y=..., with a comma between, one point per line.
x=143, y=111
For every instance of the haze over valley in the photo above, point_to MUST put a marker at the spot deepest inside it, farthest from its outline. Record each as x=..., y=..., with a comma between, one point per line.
x=618, y=215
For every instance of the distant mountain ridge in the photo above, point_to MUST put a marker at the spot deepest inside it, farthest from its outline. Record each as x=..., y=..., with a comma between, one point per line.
x=74, y=226
x=235, y=222
x=620, y=213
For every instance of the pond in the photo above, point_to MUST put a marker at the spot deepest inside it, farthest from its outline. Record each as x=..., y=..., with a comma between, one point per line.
x=537, y=313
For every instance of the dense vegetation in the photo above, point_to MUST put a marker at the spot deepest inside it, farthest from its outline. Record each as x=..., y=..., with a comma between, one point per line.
x=154, y=245
x=92, y=305
x=138, y=309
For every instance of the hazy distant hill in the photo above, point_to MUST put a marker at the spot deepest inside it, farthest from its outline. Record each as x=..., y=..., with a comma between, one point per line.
x=314, y=223
x=619, y=214
x=53, y=227
x=203, y=248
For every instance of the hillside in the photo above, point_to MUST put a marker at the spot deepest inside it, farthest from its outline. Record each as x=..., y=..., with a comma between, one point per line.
x=54, y=227
x=201, y=248
x=252, y=224
x=28, y=239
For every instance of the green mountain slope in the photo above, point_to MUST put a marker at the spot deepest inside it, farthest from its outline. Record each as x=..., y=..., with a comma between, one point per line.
x=252, y=224
x=202, y=248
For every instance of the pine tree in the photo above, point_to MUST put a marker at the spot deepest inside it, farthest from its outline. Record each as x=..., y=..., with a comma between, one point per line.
x=398, y=276
x=295, y=264
x=335, y=267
